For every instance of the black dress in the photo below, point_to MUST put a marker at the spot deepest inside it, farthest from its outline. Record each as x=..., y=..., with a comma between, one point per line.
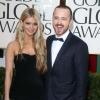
x=27, y=83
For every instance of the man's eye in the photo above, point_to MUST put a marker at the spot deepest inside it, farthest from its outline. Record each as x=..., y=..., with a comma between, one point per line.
x=63, y=18
x=35, y=24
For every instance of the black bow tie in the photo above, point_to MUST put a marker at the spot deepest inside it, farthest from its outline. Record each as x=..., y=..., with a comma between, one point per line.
x=59, y=39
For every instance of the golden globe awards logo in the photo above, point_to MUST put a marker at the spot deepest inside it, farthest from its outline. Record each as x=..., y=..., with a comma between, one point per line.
x=10, y=11
x=86, y=22
x=86, y=16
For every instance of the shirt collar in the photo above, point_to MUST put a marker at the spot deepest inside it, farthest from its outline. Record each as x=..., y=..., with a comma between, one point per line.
x=64, y=36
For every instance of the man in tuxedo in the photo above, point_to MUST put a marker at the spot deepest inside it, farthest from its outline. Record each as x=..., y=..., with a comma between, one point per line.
x=67, y=60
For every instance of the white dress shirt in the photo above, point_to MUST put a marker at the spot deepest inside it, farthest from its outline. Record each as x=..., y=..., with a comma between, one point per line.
x=56, y=46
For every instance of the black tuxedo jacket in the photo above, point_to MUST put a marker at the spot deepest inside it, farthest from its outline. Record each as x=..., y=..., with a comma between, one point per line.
x=67, y=78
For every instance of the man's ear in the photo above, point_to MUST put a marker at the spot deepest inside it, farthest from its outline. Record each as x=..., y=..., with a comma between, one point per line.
x=71, y=24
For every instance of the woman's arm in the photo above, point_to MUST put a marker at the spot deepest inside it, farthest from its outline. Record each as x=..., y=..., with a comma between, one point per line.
x=8, y=70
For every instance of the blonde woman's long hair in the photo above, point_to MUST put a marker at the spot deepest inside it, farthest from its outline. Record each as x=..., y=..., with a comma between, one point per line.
x=40, y=46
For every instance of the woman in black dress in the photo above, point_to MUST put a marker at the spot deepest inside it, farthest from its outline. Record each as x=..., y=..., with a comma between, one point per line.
x=26, y=60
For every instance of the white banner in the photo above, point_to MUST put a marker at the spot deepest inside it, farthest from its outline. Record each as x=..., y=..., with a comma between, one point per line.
x=10, y=11
x=86, y=15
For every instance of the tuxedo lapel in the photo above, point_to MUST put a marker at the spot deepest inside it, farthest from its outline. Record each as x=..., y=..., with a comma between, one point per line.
x=64, y=48
x=49, y=59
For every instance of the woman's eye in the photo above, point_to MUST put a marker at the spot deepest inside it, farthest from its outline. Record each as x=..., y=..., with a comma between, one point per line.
x=27, y=23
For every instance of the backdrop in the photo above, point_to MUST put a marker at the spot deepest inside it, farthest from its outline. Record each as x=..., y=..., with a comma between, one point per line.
x=86, y=19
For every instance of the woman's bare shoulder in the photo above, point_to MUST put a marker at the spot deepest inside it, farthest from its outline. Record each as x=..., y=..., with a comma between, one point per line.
x=13, y=46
